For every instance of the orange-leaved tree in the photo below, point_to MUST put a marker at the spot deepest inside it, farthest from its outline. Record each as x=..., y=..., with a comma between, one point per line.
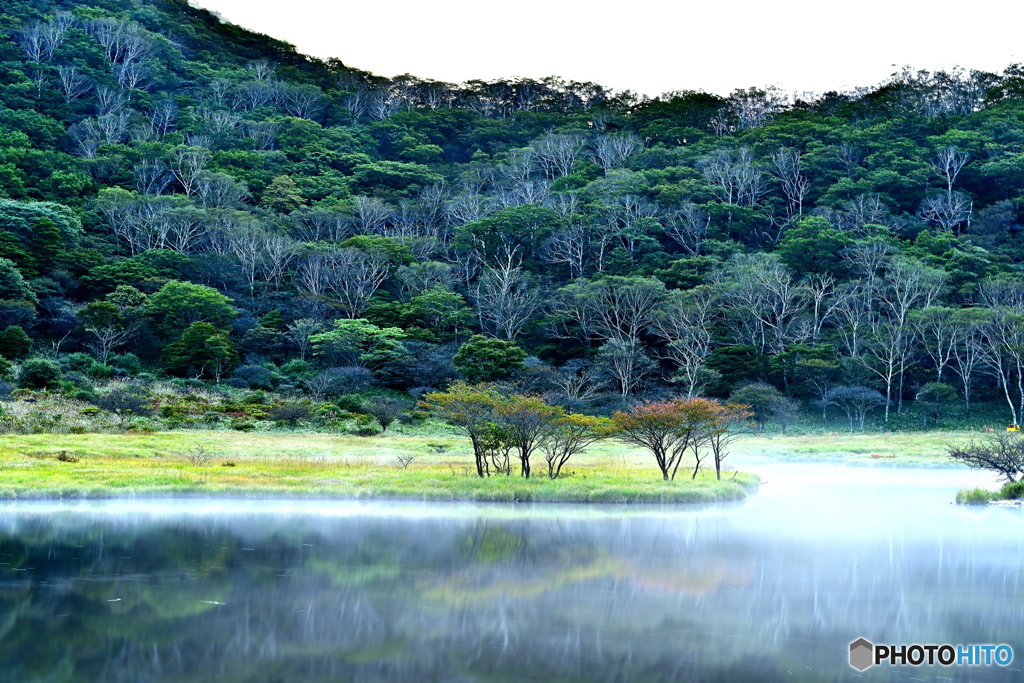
x=671, y=429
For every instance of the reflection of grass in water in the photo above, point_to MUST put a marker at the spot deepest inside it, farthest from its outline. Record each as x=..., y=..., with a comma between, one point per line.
x=328, y=465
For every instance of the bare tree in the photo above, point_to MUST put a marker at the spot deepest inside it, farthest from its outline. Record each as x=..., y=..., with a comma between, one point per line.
x=626, y=364
x=320, y=225
x=152, y=177
x=687, y=227
x=505, y=299
x=303, y=101
x=348, y=277
x=734, y=176
x=768, y=300
x=856, y=402
x=611, y=150
x=686, y=326
x=73, y=83
x=947, y=211
x=164, y=116
x=188, y=164
x=370, y=215
x=785, y=166
x=1002, y=453
x=558, y=153
x=570, y=246
x=949, y=161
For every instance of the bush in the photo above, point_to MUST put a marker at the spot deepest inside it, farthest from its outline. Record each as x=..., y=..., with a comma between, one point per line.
x=255, y=377
x=86, y=395
x=14, y=343
x=256, y=398
x=292, y=413
x=125, y=400
x=39, y=373
x=1012, y=490
x=973, y=497
x=127, y=363
x=297, y=369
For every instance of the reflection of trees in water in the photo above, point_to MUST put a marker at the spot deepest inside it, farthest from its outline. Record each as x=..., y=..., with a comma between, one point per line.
x=375, y=598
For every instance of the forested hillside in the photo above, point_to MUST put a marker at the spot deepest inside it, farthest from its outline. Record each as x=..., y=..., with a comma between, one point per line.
x=180, y=198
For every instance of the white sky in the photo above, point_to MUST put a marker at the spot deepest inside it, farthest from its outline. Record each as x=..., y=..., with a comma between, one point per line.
x=647, y=46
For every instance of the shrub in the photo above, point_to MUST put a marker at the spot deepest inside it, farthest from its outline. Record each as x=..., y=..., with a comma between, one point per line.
x=256, y=398
x=85, y=395
x=255, y=376
x=14, y=343
x=973, y=497
x=198, y=456
x=39, y=373
x=127, y=363
x=292, y=413
x=297, y=369
x=125, y=400
x=1012, y=490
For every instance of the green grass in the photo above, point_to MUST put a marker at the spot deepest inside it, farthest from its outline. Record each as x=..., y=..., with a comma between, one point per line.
x=1010, y=491
x=973, y=497
x=910, y=449
x=310, y=464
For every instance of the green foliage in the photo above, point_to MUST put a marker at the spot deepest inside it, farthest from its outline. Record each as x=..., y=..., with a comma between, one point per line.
x=178, y=305
x=483, y=359
x=15, y=343
x=201, y=351
x=973, y=497
x=39, y=373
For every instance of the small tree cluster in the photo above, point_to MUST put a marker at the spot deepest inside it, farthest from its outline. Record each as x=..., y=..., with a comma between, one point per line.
x=499, y=425
x=672, y=429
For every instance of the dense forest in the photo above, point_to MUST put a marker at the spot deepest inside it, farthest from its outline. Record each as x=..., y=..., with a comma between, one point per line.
x=187, y=204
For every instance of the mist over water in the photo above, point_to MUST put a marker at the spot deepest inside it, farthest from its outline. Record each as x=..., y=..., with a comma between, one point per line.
x=771, y=589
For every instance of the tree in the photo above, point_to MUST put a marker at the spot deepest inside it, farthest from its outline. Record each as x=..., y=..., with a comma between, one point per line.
x=525, y=423
x=626, y=364
x=686, y=325
x=15, y=344
x=470, y=409
x=505, y=300
x=570, y=435
x=933, y=398
x=487, y=360
x=855, y=402
x=178, y=305
x=386, y=409
x=202, y=351
x=669, y=429
x=722, y=432
x=765, y=403
x=109, y=329
x=1002, y=453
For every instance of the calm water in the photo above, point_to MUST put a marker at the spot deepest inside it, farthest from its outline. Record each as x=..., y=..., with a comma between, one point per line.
x=773, y=589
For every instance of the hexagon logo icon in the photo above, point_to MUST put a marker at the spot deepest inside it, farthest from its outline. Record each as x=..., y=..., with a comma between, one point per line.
x=862, y=654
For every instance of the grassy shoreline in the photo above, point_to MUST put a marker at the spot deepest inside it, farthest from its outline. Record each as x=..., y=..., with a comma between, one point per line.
x=318, y=465
x=311, y=465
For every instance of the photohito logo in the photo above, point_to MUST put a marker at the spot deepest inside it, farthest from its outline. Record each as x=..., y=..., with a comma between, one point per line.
x=864, y=654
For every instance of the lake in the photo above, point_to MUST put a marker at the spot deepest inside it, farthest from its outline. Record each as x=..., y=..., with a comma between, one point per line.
x=774, y=588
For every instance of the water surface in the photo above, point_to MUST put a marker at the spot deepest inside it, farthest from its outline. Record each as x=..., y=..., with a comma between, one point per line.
x=771, y=589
